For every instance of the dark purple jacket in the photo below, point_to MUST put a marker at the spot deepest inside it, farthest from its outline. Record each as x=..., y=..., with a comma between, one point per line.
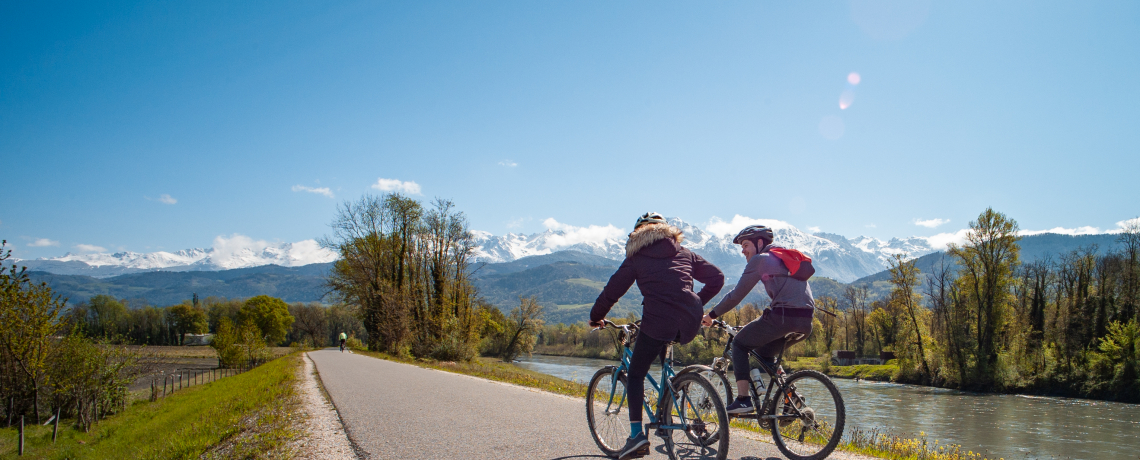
x=664, y=272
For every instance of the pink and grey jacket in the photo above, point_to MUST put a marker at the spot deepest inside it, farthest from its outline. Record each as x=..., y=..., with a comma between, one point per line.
x=785, y=291
x=664, y=272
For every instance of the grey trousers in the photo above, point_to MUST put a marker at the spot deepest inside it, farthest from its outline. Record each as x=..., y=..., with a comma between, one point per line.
x=765, y=335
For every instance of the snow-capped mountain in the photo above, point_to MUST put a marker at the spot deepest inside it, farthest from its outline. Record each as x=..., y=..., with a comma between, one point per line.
x=835, y=256
x=231, y=253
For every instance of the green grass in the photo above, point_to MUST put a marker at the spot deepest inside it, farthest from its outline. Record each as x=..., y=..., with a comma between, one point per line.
x=572, y=306
x=244, y=416
x=494, y=369
x=877, y=372
x=587, y=282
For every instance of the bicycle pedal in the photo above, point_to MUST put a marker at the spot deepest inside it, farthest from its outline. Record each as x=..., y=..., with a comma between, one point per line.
x=661, y=433
x=642, y=452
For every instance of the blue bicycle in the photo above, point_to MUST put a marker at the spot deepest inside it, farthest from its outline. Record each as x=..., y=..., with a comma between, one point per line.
x=684, y=408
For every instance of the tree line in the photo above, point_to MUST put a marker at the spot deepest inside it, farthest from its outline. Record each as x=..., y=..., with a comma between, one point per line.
x=980, y=320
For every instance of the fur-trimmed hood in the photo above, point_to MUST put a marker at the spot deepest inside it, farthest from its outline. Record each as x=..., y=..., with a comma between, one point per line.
x=648, y=234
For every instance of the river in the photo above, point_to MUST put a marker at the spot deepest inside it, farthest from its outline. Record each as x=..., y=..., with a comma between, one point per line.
x=1008, y=426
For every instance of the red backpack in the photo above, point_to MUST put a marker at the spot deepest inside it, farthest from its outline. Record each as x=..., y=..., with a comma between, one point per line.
x=799, y=265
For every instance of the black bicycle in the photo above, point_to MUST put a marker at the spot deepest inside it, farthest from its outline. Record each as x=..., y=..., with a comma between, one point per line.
x=804, y=411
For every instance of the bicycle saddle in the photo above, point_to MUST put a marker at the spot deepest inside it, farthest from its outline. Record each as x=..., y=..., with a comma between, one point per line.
x=793, y=336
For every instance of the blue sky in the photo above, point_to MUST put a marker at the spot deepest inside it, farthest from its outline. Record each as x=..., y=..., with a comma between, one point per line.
x=158, y=125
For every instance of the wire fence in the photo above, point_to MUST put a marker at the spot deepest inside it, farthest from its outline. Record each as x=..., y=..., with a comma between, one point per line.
x=179, y=379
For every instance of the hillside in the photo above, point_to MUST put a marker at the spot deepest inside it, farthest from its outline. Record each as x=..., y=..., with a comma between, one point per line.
x=292, y=284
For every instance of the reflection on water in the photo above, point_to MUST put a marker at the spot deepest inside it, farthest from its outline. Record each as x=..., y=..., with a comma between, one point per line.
x=1008, y=426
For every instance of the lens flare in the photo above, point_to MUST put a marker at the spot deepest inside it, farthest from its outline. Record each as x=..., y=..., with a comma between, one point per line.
x=846, y=99
x=854, y=78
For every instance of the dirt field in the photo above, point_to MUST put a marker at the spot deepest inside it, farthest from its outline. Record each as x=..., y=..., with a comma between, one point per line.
x=164, y=361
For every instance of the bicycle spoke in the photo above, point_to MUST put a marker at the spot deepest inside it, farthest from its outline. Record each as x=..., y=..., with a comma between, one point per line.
x=811, y=416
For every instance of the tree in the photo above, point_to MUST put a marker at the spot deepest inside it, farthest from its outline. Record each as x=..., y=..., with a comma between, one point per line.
x=29, y=318
x=408, y=271
x=520, y=330
x=105, y=316
x=185, y=319
x=311, y=322
x=988, y=260
x=269, y=314
x=904, y=277
x=1130, y=238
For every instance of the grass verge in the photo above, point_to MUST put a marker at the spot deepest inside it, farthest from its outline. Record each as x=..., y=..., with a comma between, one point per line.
x=245, y=416
x=494, y=369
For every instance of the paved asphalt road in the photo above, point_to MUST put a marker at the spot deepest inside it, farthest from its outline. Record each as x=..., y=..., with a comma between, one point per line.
x=396, y=411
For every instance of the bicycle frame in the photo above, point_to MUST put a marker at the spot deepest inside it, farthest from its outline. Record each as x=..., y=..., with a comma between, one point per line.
x=774, y=379
x=667, y=375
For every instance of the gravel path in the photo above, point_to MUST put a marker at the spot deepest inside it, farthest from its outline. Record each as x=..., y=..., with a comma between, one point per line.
x=325, y=438
x=395, y=410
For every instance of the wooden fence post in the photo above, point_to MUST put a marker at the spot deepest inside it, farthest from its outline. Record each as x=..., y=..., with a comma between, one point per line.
x=21, y=435
x=55, y=427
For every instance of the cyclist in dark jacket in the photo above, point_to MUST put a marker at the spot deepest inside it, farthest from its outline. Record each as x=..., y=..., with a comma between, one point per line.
x=671, y=312
x=790, y=311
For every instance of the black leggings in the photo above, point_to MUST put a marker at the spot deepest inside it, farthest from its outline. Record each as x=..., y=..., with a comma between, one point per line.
x=645, y=350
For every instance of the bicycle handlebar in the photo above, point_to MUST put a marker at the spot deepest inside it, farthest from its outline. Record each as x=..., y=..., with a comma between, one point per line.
x=608, y=324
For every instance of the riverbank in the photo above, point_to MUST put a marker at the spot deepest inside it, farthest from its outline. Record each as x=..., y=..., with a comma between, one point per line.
x=887, y=373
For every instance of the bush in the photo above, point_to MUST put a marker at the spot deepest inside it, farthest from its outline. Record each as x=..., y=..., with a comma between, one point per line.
x=239, y=346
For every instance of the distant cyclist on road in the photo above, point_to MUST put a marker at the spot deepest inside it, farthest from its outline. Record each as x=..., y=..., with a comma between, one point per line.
x=664, y=272
x=343, y=337
x=784, y=273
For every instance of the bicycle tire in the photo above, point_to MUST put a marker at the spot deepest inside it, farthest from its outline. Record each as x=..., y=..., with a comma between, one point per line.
x=720, y=383
x=610, y=430
x=700, y=404
x=815, y=399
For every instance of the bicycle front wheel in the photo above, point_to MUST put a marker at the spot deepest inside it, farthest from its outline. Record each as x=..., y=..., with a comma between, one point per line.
x=810, y=415
x=698, y=408
x=606, y=410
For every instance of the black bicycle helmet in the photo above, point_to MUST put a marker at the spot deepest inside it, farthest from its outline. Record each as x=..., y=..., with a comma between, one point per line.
x=753, y=233
x=650, y=218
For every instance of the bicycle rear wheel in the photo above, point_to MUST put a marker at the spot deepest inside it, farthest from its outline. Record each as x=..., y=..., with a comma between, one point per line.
x=607, y=417
x=697, y=406
x=812, y=416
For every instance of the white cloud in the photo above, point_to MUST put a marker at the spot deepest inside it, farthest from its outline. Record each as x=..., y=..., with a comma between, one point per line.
x=570, y=235
x=871, y=226
x=89, y=248
x=1124, y=224
x=931, y=223
x=720, y=228
x=167, y=199
x=508, y=163
x=396, y=185
x=318, y=190
x=1086, y=230
x=813, y=229
x=516, y=223
x=39, y=243
x=239, y=251
x=941, y=241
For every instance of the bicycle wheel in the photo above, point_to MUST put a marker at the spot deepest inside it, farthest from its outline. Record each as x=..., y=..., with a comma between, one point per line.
x=814, y=416
x=720, y=383
x=607, y=417
x=697, y=406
